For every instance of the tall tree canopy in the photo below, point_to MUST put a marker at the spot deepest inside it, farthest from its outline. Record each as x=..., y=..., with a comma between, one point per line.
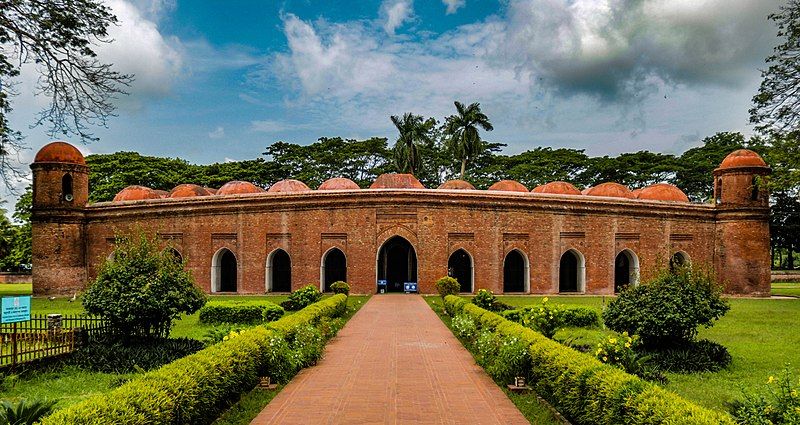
x=413, y=131
x=464, y=139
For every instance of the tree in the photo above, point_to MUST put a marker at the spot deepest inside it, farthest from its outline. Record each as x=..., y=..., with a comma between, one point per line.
x=464, y=139
x=776, y=106
x=57, y=39
x=414, y=130
x=694, y=176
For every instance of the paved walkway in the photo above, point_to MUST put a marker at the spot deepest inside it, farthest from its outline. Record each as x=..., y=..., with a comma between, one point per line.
x=394, y=362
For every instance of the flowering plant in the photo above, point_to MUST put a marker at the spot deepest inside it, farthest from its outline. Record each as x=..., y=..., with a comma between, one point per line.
x=545, y=318
x=778, y=402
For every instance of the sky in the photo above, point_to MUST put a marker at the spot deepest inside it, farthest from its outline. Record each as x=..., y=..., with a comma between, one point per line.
x=221, y=80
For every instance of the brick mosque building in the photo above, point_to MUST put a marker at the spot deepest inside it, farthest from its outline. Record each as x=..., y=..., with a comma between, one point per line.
x=553, y=239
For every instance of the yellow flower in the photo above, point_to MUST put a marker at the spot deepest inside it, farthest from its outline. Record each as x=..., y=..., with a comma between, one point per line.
x=544, y=300
x=605, y=359
x=627, y=345
x=771, y=379
x=612, y=340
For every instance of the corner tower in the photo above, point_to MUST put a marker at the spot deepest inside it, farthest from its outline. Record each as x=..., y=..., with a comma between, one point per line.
x=742, y=260
x=60, y=194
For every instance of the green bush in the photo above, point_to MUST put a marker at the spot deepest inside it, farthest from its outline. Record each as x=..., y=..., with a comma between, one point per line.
x=621, y=351
x=240, y=312
x=24, y=412
x=668, y=310
x=340, y=287
x=464, y=327
x=578, y=385
x=131, y=356
x=690, y=357
x=777, y=403
x=302, y=298
x=484, y=299
x=545, y=318
x=196, y=388
x=142, y=289
x=447, y=286
x=580, y=317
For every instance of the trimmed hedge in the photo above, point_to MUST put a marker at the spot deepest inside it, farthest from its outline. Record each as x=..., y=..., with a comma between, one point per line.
x=586, y=390
x=196, y=388
x=571, y=316
x=240, y=312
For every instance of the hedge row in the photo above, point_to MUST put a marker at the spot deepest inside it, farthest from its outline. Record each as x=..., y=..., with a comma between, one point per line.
x=586, y=390
x=240, y=312
x=194, y=389
x=573, y=316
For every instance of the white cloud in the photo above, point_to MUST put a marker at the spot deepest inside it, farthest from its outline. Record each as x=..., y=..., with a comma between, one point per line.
x=453, y=5
x=217, y=133
x=394, y=13
x=272, y=127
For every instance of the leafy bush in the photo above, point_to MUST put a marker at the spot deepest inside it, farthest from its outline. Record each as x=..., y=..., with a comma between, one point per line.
x=340, y=287
x=196, y=388
x=464, y=327
x=240, y=312
x=668, y=310
x=776, y=404
x=24, y=412
x=302, y=298
x=143, y=289
x=447, y=286
x=580, y=317
x=620, y=350
x=512, y=359
x=694, y=356
x=545, y=318
x=218, y=333
x=112, y=356
x=307, y=344
x=484, y=299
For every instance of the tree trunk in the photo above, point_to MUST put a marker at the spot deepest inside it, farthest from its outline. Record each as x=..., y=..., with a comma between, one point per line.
x=790, y=260
x=463, y=167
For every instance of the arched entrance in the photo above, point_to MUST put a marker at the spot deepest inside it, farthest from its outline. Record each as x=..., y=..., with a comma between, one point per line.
x=334, y=268
x=626, y=270
x=571, y=271
x=224, y=271
x=279, y=272
x=175, y=255
x=678, y=260
x=397, y=263
x=459, y=267
x=514, y=272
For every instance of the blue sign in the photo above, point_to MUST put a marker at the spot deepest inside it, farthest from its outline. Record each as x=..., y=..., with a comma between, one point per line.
x=381, y=282
x=410, y=287
x=16, y=309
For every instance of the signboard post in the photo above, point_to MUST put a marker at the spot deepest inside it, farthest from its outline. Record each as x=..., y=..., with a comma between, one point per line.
x=15, y=309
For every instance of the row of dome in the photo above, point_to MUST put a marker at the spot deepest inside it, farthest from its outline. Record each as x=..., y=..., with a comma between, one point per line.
x=656, y=192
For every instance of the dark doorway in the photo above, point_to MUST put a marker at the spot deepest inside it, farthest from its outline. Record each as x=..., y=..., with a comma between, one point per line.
x=459, y=267
x=334, y=268
x=227, y=271
x=281, y=271
x=568, y=272
x=397, y=263
x=622, y=271
x=514, y=272
x=678, y=260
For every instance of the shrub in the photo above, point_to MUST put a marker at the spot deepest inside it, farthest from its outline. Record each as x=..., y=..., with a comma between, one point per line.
x=24, y=412
x=302, y=298
x=668, y=310
x=512, y=359
x=620, y=350
x=240, y=312
x=580, y=317
x=447, y=286
x=484, y=299
x=340, y=288
x=131, y=356
x=143, y=289
x=464, y=327
x=218, y=333
x=307, y=344
x=777, y=403
x=545, y=318
x=694, y=356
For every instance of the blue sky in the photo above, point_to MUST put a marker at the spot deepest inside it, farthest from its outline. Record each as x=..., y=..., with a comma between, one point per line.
x=221, y=80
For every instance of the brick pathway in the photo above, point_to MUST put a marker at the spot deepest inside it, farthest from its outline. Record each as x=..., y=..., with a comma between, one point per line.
x=394, y=362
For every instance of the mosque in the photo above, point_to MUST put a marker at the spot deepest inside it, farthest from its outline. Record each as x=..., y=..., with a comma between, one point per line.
x=553, y=239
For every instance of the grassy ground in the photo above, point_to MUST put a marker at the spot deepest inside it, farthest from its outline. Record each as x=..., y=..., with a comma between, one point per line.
x=534, y=410
x=789, y=289
x=15, y=289
x=761, y=335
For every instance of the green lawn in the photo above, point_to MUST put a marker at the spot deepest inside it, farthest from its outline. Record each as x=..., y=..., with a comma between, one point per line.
x=15, y=289
x=791, y=289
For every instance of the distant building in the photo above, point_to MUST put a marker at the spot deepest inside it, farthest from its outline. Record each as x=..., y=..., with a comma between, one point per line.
x=243, y=239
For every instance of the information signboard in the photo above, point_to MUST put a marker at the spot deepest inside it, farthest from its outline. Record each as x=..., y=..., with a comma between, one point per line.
x=15, y=309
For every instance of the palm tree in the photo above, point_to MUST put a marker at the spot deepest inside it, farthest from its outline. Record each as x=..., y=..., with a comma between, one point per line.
x=465, y=141
x=414, y=130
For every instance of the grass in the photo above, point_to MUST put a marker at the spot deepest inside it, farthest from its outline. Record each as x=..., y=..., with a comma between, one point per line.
x=16, y=289
x=791, y=289
x=534, y=410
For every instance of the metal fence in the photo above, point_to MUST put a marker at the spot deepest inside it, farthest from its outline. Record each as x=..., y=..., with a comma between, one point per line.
x=46, y=336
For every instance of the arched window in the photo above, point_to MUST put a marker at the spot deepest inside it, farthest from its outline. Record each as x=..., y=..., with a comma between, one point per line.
x=678, y=260
x=397, y=263
x=66, y=187
x=571, y=272
x=459, y=267
x=279, y=271
x=334, y=268
x=515, y=272
x=224, y=271
x=719, y=190
x=626, y=270
x=175, y=255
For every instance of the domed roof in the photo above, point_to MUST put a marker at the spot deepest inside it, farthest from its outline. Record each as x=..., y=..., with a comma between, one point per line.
x=238, y=187
x=338, y=183
x=509, y=186
x=558, y=188
x=60, y=152
x=742, y=158
x=211, y=190
x=636, y=192
x=136, y=193
x=161, y=193
x=457, y=185
x=610, y=189
x=663, y=192
x=288, y=185
x=396, y=181
x=188, y=190
x=586, y=190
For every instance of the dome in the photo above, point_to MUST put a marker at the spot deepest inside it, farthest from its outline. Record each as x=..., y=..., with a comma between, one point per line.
x=338, y=183
x=161, y=193
x=288, y=185
x=610, y=189
x=60, y=152
x=396, y=181
x=238, y=187
x=557, y=188
x=211, y=190
x=136, y=193
x=636, y=192
x=586, y=190
x=457, y=185
x=509, y=186
x=663, y=192
x=742, y=158
x=188, y=190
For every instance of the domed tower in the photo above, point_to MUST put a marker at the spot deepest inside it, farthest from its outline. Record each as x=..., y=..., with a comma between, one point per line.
x=60, y=194
x=742, y=259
